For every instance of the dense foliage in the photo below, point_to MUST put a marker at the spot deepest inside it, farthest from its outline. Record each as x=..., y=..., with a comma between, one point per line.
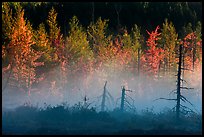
x=32, y=54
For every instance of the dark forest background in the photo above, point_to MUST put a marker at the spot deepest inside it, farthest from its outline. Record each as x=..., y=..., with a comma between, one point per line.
x=145, y=14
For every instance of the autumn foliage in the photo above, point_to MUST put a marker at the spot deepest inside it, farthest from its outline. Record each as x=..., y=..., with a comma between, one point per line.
x=23, y=57
x=153, y=55
x=43, y=54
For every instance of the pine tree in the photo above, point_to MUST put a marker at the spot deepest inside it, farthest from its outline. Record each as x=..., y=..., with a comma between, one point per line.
x=54, y=30
x=42, y=43
x=23, y=55
x=77, y=44
x=126, y=40
x=168, y=40
x=198, y=33
x=137, y=41
x=55, y=37
x=97, y=34
x=78, y=54
x=7, y=30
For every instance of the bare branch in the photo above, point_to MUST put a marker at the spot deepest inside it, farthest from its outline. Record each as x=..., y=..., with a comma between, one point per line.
x=129, y=90
x=128, y=102
x=165, y=99
x=183, y=99
x=187, y=69
x=186, y=100
x=130, y=98
x=173, y=108
x=130, y=106
x=112, y=99
x=187, y=108
x=184, y=80
x=172, y=91
x=186, y=88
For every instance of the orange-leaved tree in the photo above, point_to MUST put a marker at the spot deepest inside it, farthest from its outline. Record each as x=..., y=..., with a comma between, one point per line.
x=153, y=55
x=22, y=54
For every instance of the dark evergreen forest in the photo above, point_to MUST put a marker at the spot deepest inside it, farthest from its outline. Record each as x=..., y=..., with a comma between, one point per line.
x=145, y=14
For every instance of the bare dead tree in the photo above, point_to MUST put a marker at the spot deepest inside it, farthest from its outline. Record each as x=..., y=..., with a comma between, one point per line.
x=138, y=64
x=179, y=83
x=105, y=95
x=124, y=99
x=180, y=86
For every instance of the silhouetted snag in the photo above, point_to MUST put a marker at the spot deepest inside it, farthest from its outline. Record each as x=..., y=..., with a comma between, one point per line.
x=103, y=97
x=122, y=99
x=194, y=51
x=179, y=87
x=85, y=102
x=179, y=83
x=138, y=67
x=180, y=97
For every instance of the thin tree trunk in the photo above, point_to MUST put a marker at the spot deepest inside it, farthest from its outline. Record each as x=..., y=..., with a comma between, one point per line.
x=138, y=67
x=29, y=86
x=164, y=67
x=158, y=74
x=103, y=98
x=194, y=52
x=183, y=55
x=122, y=99
x=169, y=62
x=179, y=83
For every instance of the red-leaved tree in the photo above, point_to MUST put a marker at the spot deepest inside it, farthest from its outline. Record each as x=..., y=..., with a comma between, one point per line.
x=192, y=50
x=153, y=55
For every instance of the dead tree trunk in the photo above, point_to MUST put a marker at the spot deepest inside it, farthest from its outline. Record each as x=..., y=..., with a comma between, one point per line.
x=103, y=97
x=29, y=81
x=138, y=67
x=122, y=99
x=180, y=97
x=179, y=83
x=194, y=53
x=85, y=102
x=183, y=55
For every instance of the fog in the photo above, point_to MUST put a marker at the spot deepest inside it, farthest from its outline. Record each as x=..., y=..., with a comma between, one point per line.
x=145, y=91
